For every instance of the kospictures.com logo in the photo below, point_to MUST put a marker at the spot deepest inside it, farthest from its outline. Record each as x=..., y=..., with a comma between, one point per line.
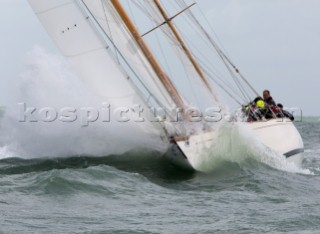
x=106, y=113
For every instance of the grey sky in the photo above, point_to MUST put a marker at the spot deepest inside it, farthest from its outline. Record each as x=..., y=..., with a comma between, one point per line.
x=275, y=43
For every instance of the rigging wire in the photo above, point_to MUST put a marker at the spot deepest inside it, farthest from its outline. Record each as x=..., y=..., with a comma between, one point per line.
x=233, y=76
x=101, y=29
x=154, y=15
x=171, y=38
x=225, y=81
x=231, y=73
x=141, y=59
x=222, y=54
x=223, y=88
x=216, y=78
x=180, y=54
x=109, y=28
x=168, y=68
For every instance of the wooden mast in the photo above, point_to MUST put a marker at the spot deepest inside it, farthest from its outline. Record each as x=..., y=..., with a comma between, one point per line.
x=148, y=54
x=184, y=47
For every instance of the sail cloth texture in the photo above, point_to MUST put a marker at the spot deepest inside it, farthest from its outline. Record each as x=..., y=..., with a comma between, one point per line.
x=80, y=43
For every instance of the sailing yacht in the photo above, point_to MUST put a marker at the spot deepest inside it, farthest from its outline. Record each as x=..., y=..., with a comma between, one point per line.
x=105, y=45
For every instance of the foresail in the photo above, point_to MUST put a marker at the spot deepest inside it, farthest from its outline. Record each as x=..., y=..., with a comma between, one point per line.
x=80, y=43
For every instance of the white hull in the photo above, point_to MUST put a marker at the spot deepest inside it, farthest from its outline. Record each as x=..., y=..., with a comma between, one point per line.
x=280, y=135
x=191, y=153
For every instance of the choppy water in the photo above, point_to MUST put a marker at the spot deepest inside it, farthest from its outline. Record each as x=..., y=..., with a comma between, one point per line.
x=140, y=192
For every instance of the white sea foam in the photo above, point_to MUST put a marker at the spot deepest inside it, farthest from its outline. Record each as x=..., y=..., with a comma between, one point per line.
x=236, y=143
x=48, y=81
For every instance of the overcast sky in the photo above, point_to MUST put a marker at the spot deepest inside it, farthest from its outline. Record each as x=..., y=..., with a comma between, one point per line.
x=275, y=43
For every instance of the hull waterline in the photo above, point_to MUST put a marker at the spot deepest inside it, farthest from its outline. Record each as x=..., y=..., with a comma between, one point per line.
x=280, y=135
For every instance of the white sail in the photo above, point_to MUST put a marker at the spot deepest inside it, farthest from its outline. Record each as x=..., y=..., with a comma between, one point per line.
x=80, y=43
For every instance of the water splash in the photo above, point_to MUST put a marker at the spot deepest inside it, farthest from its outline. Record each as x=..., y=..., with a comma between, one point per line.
x=48, y=81
x=236, y=143
x=6, y=153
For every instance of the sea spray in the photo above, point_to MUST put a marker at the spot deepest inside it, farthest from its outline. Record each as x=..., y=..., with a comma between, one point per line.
x=5, y=153
x=264, y=154
x=49, y=82
x=228, y=145
x=235, y=142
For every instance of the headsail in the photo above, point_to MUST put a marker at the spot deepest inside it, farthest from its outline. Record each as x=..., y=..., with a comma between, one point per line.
x=80, y=44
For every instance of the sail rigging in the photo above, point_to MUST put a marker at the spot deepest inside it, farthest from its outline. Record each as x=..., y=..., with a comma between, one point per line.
x=181, y=61
x=190, y=56
x=239, y=79
x=126, y=54
x=148, y=54
x=112, y=26
x=236, y=85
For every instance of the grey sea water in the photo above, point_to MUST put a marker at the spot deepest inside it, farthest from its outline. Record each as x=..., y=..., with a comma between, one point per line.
x=140, y=192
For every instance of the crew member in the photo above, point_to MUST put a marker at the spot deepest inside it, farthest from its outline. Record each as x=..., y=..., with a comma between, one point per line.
x=268, y=99
x=284, y=113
